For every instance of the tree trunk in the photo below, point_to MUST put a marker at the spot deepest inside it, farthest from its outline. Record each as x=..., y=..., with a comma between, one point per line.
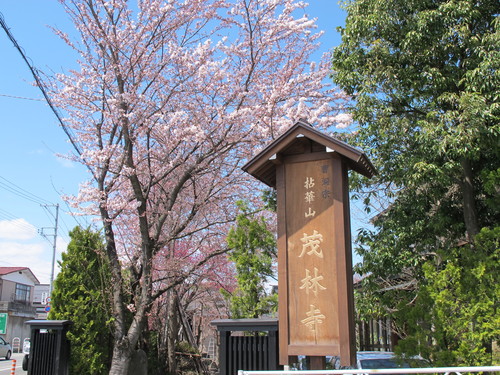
x=172, y=324
x=469, y=202
x=162, y=346
x=121, y=357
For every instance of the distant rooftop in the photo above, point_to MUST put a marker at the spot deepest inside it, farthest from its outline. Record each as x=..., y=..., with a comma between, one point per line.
x=9, y=270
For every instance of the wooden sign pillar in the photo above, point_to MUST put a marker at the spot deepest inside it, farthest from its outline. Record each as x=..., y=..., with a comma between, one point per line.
x=316, y=309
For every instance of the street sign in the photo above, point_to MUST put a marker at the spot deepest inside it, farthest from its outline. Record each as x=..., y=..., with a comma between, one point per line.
x=3, y=323
x=45, y=295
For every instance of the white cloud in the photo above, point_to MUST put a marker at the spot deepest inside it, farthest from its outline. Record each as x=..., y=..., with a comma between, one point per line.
x=18, y=229
x=61, y=245
x=20, y=246
x=36, y=256
x=19, y=250
x=34, y=252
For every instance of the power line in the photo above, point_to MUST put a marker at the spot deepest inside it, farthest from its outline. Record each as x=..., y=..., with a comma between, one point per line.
x=7, y=215
x=17, y=222
x=21, y=97
x=39, y=83
x=66, y=226
x=19, y=191
x=25, y=194
x=48, y=213
x=69, y=212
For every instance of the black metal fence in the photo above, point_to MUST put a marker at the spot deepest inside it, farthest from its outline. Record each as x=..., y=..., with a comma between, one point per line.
x=247, y=344
x=49, y=347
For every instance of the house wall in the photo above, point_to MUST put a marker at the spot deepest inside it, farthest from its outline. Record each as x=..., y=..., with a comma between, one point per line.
x=16, y=327
x=9, y=285
x=19, y=277
x=8, y=290
x=18, y=312
x=40, y=295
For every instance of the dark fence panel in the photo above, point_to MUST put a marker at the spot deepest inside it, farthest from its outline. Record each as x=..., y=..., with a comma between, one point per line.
x=249, y=352
x=244, y=346
x=49, y=347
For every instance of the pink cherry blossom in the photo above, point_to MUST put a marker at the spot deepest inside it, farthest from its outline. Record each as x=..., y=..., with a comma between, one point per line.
x=169, y=101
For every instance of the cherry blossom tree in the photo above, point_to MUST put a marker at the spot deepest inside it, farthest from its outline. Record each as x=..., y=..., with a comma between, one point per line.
x=198, y=297
x=170, y=99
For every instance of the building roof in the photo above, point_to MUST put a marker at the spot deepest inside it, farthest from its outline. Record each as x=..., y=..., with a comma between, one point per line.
x=300, y=138
x=9, y=270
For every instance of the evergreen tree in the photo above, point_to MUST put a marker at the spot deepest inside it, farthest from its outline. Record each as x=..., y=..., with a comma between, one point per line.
x=79, y=296
x=253, y=248
x=424, y=79
x=457, y=306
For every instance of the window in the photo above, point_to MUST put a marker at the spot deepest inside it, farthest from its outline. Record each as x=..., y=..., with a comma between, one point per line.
x=23, y=292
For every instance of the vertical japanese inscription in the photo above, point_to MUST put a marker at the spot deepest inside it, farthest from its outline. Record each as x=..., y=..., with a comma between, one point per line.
x=313, y=318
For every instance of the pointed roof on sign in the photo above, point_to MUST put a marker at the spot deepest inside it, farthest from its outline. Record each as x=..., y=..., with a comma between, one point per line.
x=303, y=138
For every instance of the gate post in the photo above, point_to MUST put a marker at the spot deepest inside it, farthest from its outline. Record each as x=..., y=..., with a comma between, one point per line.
x=243, y=352
x=49, y=347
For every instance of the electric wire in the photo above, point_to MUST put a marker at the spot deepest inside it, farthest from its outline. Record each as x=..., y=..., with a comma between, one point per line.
x=66, y=226
x=20, y=192
x=17, y=222
x=35, y=73
x=39, y=83
x=69, y=212
x=25, y=194
x=21, y=97
x=50, y=215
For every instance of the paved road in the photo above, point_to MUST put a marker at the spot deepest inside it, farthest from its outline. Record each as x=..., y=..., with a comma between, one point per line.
x=6, y=366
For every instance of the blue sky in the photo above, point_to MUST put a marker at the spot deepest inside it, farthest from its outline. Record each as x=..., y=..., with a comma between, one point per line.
x=31, y=139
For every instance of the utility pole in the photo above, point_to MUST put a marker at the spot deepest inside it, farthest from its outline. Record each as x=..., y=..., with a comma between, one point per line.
x=54, y=241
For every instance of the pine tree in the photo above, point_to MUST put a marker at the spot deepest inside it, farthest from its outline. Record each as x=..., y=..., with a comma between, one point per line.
x=253, y=247
x=79, y=296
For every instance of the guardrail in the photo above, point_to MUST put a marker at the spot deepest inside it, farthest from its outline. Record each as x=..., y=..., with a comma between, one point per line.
x=426, y=370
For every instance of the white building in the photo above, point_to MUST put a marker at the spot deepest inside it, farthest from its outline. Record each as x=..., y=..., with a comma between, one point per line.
x=17, y=289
